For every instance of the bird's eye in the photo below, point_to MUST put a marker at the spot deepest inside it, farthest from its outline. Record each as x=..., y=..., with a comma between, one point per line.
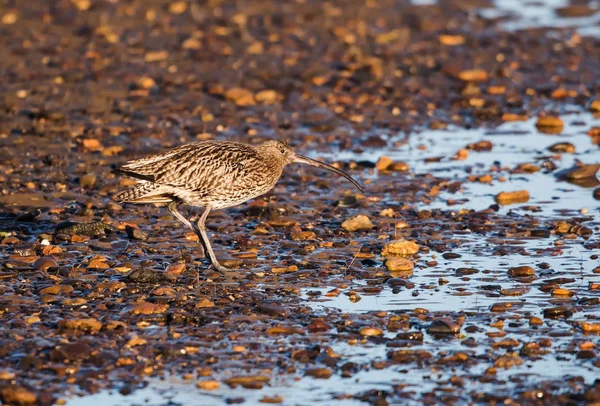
x=282, y=151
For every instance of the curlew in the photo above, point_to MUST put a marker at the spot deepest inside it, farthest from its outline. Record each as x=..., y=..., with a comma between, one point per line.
x=213, y=175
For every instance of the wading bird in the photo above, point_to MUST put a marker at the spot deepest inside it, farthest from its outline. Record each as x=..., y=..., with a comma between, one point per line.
x=213, y=175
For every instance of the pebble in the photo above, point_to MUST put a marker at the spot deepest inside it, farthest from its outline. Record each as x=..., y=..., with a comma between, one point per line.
x=400, y=247
x=443, y=326
x=398, y=167
x=549, y=124
x=519, y=196
x=208, y=384
x=86, y=229
x=558, y=312
x=358, y=223
x=44, y=263
x=273, y=309
x=87, y=181
x=521, y=271
x=562, y=147
x=383, y=163
x=18, y=395
x=145, y=275
x=57, y=289
x=473, y=75
x=370, y=331
x=247, y=381
x=319, y=373
x=480, y=146
x=582, y=172
x=396, y=264
x=318, y=325
x=134, y=233
x=148, y=308
x=89, y=324
x=241, y=97
x=589, y=327
x=273, y=400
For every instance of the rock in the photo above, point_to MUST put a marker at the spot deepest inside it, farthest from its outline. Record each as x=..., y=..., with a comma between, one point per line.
x=473, y=75
x=582, y=172
x=266, y=96
x=44, y=263
x=145, y=275
x=560, y=312
x=57, y=289
x=519, y=196
x=208, y=384
x=480, y=146
x=319, y=373
x=90, y=325
x=400, y=247
x=384, y=163
x=88, y=229
x=511, y=117
x=241, y=97
x=358, y=223
x=178, y=7
x=191, y=43
x=78, y=301
x=451, y=40
x=87, y=181
x=245, y=381
x=521, y=271
x=317, y=326
x=304, y=236
x=562, y=292
x=590, y=327
x=273, y=309
x=549, y=124
x=443, y=326
x=575, y=10
x=148, y=308
x=466, y=271
x=517, y=291
x=508, y=361
x=562, y=147
x=273, y=400
x=156, y=56
x=135, y=233
x=370, y=331
x=397, y=282
x=398, y=167
x=17, y=395
x=399, y=264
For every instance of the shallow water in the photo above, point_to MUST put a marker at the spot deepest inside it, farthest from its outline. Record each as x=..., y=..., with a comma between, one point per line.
x=513, y=143
x=537, y=14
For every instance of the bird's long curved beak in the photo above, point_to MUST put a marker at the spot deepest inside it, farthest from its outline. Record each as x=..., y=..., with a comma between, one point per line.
x=306, y=160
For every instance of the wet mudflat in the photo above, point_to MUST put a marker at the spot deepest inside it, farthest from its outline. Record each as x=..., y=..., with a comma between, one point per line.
x=469, y=271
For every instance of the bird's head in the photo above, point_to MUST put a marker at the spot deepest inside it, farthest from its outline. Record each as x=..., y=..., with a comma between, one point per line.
x=283, y=152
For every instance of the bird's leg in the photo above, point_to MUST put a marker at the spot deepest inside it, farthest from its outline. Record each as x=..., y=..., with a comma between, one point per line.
x=173, y=209
x=204, y=237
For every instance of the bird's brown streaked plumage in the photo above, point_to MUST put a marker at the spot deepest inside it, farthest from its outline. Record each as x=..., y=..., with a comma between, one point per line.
x=211, y=174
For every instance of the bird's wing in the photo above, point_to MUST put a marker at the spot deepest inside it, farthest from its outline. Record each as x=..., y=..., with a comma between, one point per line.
x=199, y=166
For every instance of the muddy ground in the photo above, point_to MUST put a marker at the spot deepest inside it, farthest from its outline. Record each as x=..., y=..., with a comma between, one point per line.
x=125, y=302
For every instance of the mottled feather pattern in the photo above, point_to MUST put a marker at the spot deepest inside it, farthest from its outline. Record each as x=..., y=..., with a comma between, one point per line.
x=139, y=191
x=216, y=173
x=212, y=174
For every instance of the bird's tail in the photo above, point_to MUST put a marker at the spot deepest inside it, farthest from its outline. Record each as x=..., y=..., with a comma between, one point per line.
x=143, y=192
